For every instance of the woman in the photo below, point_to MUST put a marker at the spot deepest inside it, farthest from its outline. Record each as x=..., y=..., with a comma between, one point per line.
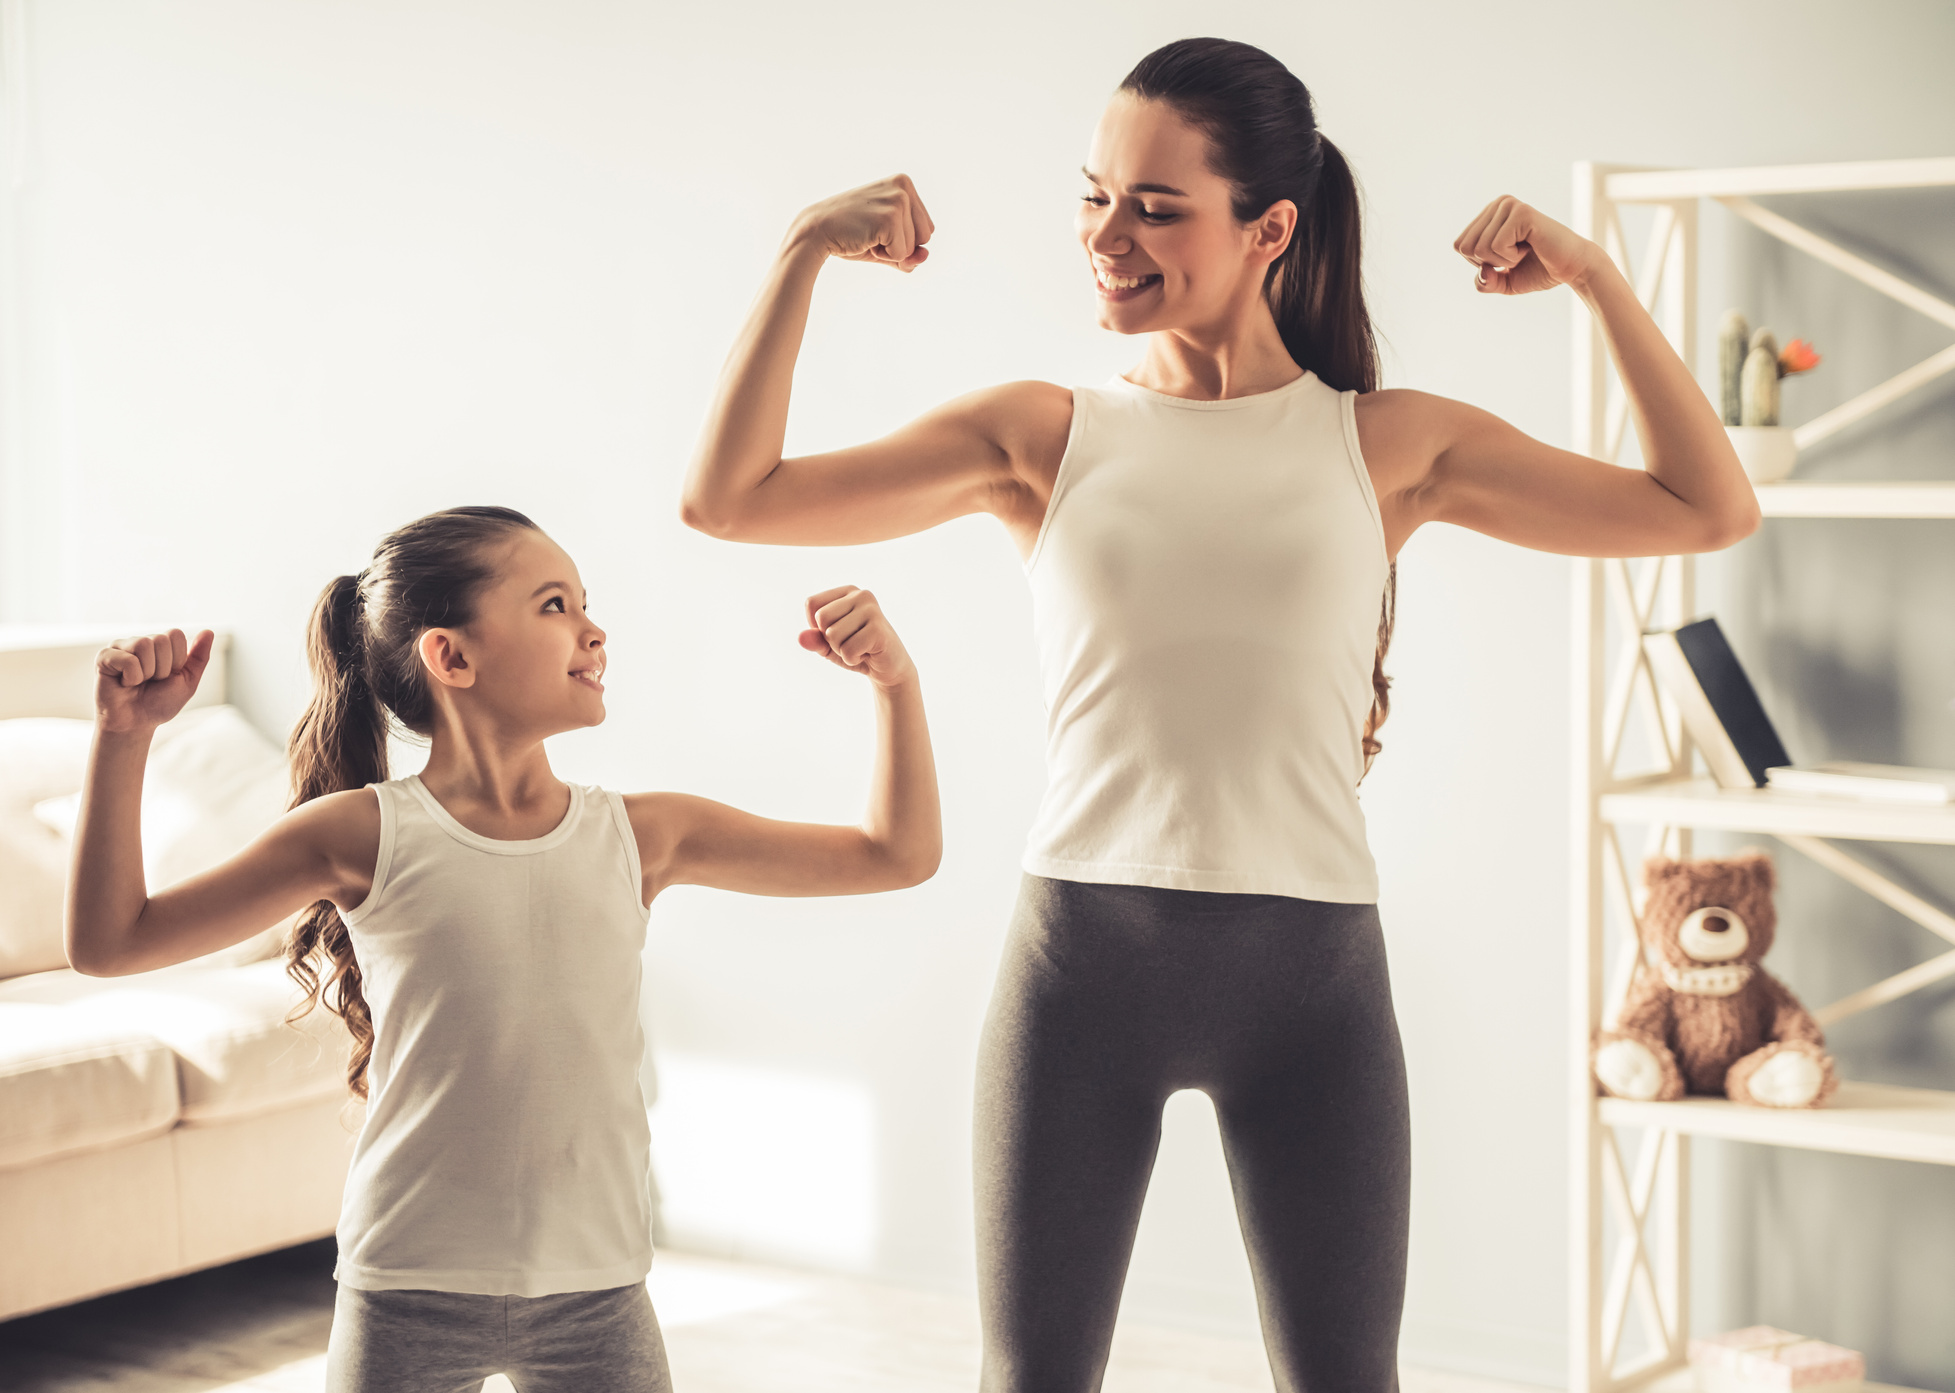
x=1209, y=542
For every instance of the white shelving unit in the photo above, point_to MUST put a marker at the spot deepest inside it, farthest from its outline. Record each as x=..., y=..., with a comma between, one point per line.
x=1630, y=1225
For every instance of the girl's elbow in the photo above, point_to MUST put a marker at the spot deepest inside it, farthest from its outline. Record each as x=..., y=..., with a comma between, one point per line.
x=915, y=865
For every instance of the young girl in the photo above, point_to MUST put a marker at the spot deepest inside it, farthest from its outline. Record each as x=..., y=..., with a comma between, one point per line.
x=479, y=927
x=1209, y=542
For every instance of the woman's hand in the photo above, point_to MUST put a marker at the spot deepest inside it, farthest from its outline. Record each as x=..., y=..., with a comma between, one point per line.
x=847, y=626
x=884, y=222
x=1518, y=250
x=142, y=682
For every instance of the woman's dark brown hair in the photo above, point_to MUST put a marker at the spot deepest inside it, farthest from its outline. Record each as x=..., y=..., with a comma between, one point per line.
x=1263, y=138
x=362, y=648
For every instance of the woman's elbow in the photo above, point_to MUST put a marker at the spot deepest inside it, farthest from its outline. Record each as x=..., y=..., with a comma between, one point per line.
x=1734, y=524
x=700, y=515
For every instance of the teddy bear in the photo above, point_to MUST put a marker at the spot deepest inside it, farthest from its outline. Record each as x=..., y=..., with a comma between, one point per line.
x=1702, y=1016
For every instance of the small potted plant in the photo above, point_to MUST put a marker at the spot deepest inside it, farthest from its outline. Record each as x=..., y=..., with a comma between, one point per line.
x=1750, y=365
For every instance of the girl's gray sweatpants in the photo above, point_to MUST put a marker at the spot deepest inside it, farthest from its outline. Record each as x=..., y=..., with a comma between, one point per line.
x=449, y=1342
x=1112, y=997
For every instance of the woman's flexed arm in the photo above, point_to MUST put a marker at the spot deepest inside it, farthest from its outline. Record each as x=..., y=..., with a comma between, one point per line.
x=975, y=454
x=1448, y=462
x=322, y=850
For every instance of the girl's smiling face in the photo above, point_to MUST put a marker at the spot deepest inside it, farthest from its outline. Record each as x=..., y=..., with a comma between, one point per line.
x=1159, y=228
x=531, y=660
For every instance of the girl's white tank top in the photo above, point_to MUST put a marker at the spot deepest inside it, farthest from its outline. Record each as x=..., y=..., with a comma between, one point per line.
x=1205, y=594
x=505, y=1149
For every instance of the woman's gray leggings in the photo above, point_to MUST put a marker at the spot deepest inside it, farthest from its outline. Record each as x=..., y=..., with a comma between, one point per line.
x=1112, y=997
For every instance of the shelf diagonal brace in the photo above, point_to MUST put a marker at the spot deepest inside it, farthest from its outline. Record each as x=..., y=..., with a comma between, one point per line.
x=1649, y=284
x=1635, y=601
x=1888, y=989
x=1930, y=917
x=1886, y=283
x=1906, y=902
x=1634, y=1278
x=1871, y=400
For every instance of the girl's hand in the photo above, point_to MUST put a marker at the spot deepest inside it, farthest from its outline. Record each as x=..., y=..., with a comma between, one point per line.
x=883, y=222
x=1519, y=250
x=142, y=682
x=848, y=627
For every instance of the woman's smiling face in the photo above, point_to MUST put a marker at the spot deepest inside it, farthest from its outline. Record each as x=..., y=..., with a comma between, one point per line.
x=1166, y=248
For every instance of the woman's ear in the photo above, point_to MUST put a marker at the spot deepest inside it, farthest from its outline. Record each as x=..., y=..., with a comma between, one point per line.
x=441, y=655
x=1273, y=230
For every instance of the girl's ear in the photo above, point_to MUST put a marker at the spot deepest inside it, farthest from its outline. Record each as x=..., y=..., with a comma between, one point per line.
x=441, y=655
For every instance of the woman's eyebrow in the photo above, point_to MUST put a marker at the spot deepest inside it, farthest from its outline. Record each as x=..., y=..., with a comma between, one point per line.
x=548, y=585
x=1137, y=188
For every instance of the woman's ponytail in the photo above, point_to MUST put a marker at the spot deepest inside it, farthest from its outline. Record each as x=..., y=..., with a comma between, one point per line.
x=362, y=646
x=1316, y=290
x=1263, y=138
x=340, y=743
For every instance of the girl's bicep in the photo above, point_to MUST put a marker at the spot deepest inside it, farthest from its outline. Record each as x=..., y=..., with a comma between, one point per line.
x=685, y=840
x=315, y=852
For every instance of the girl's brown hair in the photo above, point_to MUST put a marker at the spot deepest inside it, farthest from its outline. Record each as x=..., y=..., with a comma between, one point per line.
x=362, y=648
x=1263, y=138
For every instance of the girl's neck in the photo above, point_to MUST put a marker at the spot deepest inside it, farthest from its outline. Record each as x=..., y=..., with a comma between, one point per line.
x=1240, y=357
x=499, y=789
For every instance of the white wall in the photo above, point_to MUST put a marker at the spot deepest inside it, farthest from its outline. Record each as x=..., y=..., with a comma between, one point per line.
x=284, y=274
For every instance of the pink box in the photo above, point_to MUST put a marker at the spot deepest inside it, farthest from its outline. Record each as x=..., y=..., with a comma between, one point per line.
x=1769, y=1360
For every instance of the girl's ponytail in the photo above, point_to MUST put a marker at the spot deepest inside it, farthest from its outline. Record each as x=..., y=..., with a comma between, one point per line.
x=1263, y=138
x=366, y=671
x=340, y=743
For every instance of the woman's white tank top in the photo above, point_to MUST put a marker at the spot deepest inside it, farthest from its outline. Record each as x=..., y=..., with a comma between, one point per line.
x=505, y=1149
x=1205, y=594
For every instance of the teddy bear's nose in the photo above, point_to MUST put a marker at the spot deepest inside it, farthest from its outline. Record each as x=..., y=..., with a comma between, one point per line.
x=1713, y=934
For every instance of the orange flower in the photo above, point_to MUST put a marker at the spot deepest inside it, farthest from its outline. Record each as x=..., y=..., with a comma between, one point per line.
x=1797, y=356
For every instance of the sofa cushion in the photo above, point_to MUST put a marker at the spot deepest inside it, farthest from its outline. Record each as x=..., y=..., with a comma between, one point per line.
x=226, y=1027
x=74, y=1081
x=40, y=758
x=213, y=784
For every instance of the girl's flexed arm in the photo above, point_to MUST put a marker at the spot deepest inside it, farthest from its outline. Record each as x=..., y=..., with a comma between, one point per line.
x=684, y=840
x=114, y=925
x=980, y=453
x=1445, y=461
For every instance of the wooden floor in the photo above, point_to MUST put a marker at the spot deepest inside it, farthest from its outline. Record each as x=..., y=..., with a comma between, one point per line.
x=729, y=1328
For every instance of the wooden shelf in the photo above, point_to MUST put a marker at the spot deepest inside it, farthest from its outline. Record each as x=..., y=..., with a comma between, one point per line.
x=1681, y=1381
x=1803, y=498
x=1701, y=803
x=1864, y=1119
x=1670, y=185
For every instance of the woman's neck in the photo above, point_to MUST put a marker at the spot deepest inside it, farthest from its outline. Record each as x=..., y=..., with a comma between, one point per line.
x=1241, y=357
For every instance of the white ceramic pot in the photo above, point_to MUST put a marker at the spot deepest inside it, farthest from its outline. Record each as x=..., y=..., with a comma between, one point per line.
x=1766, y=452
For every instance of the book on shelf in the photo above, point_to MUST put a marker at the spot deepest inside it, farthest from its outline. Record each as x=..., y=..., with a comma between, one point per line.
x=1719, y=706
x=1696, y=665
x=1890, y=783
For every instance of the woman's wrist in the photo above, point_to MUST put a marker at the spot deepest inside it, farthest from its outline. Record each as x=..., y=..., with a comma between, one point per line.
x=805, y=244
x=1597, y=269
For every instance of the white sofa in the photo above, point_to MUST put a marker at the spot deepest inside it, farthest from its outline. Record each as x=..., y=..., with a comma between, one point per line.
x=154, y=1124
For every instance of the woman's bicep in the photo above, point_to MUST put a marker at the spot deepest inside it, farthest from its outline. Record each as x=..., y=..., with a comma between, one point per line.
x=958, y=459
x=1489, y=476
